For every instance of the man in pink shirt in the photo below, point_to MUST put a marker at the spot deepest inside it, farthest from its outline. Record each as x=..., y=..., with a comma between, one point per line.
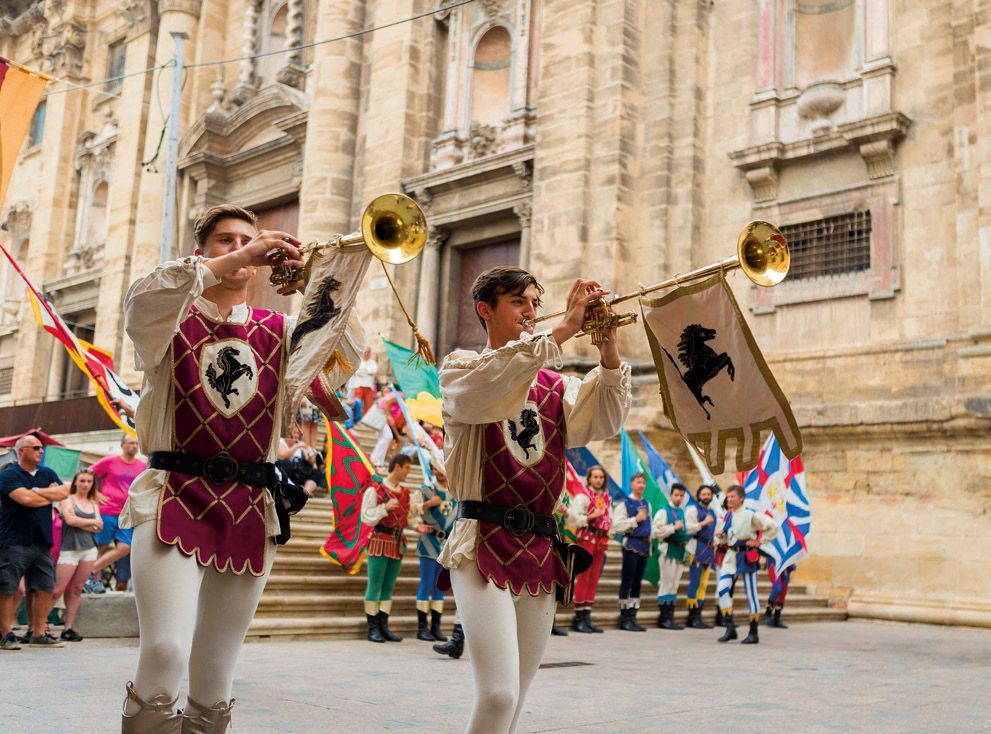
x=116, y=473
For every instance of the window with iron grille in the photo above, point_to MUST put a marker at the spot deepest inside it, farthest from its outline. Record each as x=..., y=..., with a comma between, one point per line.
x=829, y=246
x=6, y=380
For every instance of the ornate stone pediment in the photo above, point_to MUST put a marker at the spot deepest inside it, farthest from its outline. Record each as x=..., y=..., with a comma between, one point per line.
x=59, y=48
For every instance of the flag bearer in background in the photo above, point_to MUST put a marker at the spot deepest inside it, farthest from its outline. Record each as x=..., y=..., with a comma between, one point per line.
x=702, y=516
x=389, y=508
x=741, y=533
x=776, y=599
x=438, y=519
x=509, y=421
x=589, y=512
x=631, y=520
x=670, y=527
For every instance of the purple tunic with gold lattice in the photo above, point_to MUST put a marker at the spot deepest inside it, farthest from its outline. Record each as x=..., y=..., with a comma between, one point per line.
x=524, y=465
x=225, y=382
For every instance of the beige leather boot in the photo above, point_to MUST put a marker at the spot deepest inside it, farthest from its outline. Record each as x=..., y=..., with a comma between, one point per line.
x=157, y=716
x=206, y=720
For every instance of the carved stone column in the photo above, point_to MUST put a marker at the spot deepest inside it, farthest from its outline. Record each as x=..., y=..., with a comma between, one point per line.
x=247, y=78
x=524, y=211
x=427, y=301
x=292, y=72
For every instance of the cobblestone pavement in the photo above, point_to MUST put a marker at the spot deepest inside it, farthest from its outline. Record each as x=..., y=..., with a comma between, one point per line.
x=818, y=677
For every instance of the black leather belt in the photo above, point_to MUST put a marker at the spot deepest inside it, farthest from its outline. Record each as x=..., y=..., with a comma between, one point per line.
x=517, y=520
x=218, y=468
x=394, y=532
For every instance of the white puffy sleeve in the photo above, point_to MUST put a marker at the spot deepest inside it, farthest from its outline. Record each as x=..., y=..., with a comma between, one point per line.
x=578, y=511
x=621, y=522
x=596, y=406
x=660, y=526
x=765, y=524
x=371, y=511
x=692, y=520
x=156, y=304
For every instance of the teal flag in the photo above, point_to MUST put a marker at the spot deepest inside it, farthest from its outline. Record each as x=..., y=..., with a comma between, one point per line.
x=413, y=375
x=632, y=462
x=62, y=461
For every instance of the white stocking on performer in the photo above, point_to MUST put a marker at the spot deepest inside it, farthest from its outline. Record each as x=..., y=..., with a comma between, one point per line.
x=216, y=377
x=508, y=421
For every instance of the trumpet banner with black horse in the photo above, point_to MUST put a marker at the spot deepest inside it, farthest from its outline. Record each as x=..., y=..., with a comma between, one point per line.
x=714, y=381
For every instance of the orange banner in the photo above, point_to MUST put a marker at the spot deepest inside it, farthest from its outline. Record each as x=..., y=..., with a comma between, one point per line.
x=20, y=92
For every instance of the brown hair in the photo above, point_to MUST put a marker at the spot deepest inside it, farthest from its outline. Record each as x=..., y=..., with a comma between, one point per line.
x=498, y=281
x=595, y=467
x=208, y=220
x=94, y=491
x=738, y=491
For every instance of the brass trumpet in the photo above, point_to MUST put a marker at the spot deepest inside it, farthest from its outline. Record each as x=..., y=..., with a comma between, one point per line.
x=761, y=252
x=393, y=227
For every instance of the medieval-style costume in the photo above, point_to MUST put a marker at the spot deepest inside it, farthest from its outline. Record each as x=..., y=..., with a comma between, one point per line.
x=217, y=392
x=674, y=556
x=702, y=552
x=738, y=527
x=636, y=535
x=593, y=536
x=385, y=550
x=779, y=592
x=508, y=421
x=429, y=596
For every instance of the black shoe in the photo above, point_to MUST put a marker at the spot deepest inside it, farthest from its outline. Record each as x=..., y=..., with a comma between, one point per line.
x=768, y=615
x=751, y=638
x=776, y=620
x=558, y=632
x=374, y=633
x=588, y=622
x=45, y=641
x=10, y=642
x=695, y=619
x=633, y=618
x=581, y=623
x=422, y=631
x=455, y=646
x=626, y=620
x=730, y=633
x=704, y=624
x=70, y=635
x=26, y=637
x=435, y=618
x=666, y=620
x=720, y=619
x=388, y=634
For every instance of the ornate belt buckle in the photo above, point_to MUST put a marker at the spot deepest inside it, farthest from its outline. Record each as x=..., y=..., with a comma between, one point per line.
x=221, y=468
x=519, y=520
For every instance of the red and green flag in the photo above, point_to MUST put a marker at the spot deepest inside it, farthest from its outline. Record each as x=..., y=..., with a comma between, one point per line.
x=348, y=474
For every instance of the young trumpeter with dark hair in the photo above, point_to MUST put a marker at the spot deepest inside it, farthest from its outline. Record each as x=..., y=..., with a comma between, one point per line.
x=509, y=420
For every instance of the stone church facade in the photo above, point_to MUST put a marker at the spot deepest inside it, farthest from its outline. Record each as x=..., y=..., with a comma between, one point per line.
x=621, y=139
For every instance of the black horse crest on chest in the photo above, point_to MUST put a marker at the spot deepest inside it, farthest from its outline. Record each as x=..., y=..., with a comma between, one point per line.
x=227, y=370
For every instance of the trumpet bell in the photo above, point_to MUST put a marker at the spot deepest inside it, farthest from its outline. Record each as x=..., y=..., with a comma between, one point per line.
x=763, y=253
x=394, y=228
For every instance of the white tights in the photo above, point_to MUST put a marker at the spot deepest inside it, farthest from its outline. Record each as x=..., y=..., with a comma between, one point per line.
x=506, y=637
x=182, y=605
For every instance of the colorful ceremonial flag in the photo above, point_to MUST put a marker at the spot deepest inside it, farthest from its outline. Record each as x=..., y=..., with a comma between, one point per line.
x=20, y=92
x=662, y=471
x=581, y=460
x=348, y=473
x=413, y=375
x=715, y=384
x=632, y=463
x=776, y=487
x=96, y=363
x=573, y=485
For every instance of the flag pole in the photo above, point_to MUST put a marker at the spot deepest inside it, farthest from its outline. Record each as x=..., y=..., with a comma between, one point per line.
x=172, y=151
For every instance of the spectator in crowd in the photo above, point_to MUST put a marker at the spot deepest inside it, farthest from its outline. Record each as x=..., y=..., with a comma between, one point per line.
x=392, y=431
x=27, y=491
x=116, y=474
x=362, y=383
x=436, y=433
x=308, y=417
x=81, y=522
x=300, y=461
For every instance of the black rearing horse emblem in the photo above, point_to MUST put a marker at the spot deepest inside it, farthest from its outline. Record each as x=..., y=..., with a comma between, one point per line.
x=524, y=438
x=700, y=360
x=230, y=371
